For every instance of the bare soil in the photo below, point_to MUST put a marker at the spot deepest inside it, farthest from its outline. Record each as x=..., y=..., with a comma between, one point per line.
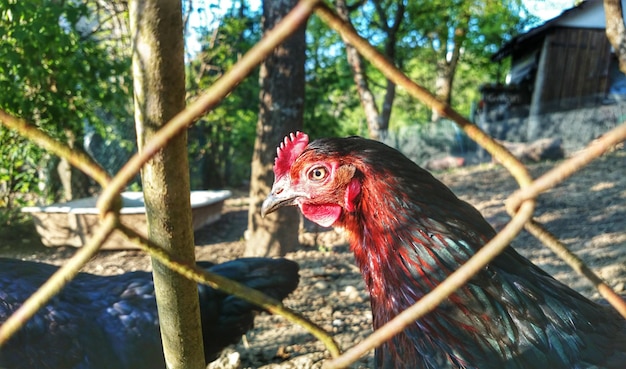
x=587, y=212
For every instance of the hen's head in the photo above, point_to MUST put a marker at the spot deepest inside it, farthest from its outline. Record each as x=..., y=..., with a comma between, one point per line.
x=319, y=178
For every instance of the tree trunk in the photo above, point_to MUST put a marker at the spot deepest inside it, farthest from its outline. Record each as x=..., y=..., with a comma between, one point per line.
x=443, y=86
x=159, y=88
x=280, y=112
x=377, y=121
x=75, y=183
x=372, y=115
x=390, y=52
x=446, y=68
x=615, y=30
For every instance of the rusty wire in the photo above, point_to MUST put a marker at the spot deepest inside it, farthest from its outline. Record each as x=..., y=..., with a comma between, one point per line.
x=520, y=204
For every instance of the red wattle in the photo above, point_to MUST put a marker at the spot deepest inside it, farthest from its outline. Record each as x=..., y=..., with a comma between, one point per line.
x=325, y=215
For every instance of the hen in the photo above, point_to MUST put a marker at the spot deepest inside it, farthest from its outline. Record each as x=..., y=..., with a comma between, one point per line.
x=408, y=232
x=103, y=322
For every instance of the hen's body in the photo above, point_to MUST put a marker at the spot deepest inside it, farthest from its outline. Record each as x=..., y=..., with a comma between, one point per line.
x=101, y=322
x=409, y=232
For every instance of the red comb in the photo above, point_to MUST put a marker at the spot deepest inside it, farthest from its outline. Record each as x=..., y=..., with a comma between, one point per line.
x=288, y=151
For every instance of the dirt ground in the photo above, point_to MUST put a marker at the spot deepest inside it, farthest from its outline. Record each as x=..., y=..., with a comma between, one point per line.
x=587, y=212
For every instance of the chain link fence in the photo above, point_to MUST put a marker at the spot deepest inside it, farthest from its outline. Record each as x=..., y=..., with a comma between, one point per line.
x=520, y=204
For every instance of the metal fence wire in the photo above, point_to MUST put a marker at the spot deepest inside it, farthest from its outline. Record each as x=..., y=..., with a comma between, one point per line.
x=520, y=204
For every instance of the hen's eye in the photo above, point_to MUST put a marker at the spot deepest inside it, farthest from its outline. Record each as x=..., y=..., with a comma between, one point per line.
x=317, y=173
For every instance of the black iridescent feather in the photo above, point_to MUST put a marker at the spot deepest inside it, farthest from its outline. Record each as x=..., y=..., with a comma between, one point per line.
x=104, y=322
x=408, y=232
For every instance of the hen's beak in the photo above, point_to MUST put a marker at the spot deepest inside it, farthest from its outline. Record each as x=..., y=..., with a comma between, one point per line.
x=281, y=195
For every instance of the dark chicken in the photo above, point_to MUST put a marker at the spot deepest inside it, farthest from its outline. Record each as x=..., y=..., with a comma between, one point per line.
x=408, y=232
x=105, y=322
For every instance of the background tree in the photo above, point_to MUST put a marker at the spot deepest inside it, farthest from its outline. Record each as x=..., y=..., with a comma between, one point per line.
x=91, y=40
x=377, y=121
x=280, y=112
x=59, y=74
x=331, y=102
x=431, y=40
x=221, y=143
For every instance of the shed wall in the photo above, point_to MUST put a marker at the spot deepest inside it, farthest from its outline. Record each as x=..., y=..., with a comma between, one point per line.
x=576, y=68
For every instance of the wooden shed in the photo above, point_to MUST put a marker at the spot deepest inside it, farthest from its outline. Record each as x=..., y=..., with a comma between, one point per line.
x=565, y=63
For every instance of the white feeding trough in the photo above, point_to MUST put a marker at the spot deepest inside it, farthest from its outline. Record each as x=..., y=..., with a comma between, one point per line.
x=73, y=223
